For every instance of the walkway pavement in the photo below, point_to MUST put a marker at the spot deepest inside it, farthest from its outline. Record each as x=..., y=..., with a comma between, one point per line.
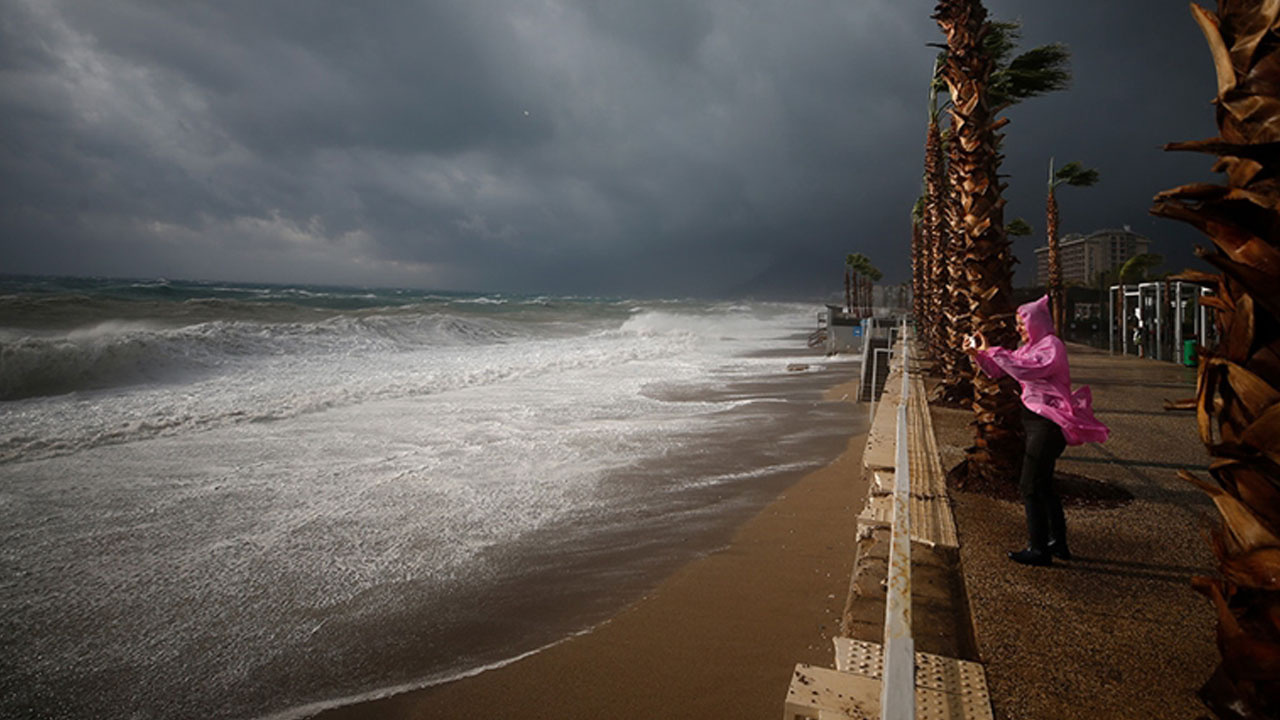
x=1117, y=632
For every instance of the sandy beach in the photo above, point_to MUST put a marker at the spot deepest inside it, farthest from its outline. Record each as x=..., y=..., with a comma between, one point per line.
x=720, y=637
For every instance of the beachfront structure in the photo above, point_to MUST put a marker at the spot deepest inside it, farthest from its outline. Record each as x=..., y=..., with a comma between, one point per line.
x=843, y=331
x=1083, y=257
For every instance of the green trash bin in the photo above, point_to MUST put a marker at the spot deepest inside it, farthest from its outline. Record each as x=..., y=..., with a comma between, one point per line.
x=1189, y=353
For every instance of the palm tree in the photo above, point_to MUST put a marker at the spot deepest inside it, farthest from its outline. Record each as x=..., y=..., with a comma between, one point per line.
x=1239, y=381
x=863, y=275
x=1011, y=80
x=943, y=344
x=956, y=387
x=918, y=273
x=984, y=287
x=853, y=262
x=1075, y=175
x=872, y=275
x=848, y=283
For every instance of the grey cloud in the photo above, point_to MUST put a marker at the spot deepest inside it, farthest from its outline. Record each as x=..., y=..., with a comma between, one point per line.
x=613, y=147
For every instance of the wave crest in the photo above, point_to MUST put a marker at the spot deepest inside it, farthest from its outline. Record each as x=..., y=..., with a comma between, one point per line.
x=116, y=353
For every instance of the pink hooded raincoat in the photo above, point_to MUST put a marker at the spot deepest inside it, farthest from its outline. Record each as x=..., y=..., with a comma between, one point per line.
x=1040, y=367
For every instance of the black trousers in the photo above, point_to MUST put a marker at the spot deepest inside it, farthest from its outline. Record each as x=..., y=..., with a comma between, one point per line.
x=1045, y=519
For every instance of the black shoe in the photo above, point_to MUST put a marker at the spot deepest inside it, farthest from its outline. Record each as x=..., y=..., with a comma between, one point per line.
x=1031, y=556
x=1059, y=550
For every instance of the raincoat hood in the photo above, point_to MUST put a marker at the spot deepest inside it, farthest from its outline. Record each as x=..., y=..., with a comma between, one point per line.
x=1035, y=316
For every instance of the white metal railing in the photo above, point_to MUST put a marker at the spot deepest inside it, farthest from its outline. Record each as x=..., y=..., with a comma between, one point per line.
x=875, y=375
x=897, y=694
x=863, y=368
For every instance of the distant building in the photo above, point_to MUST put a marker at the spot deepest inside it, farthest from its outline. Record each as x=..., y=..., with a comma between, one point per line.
x=1084, y=256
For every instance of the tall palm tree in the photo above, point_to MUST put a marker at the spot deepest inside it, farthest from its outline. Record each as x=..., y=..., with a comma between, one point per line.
x=1238, y=386
x=853, y=265
x=848, y=283
x=864, y=275
x=872, y=275
x=956, y=386
x=918, y=273
x=985, y=284
x=1012, y=79
x=943, y=345
x=1075, y=175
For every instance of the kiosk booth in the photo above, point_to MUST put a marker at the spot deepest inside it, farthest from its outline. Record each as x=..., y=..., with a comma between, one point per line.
x=1163, y=320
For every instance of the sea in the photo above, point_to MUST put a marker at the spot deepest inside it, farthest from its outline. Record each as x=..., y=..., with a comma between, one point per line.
x=230, y=500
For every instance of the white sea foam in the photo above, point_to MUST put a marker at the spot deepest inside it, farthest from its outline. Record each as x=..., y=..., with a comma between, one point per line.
x=302, y=490
x=115, y=353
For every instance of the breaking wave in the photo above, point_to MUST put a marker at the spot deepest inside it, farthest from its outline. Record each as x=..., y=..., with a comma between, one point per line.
x=115, y=353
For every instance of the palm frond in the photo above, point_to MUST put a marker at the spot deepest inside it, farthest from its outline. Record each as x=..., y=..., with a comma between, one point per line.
x=1137, y=267
x=937, y=85
x=1033, y=73
x=1018, y=227
x=1001, y=39
x=1076, y=175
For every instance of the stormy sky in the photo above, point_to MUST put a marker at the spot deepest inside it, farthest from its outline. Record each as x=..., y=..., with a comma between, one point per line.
x=618, y=147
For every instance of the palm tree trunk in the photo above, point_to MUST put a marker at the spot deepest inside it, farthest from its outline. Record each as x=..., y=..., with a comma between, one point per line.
x=917, y=275
x=984, y=288
x=848, y=291
x=935, y=239
x=1055, y=262
x=1239, y=380
x=956, y=387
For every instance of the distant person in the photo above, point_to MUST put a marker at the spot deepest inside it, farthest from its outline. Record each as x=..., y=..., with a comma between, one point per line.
x=1052, y=416
x=1139, y=333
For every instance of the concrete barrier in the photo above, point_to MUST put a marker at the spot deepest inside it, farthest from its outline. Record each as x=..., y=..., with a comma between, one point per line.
x=888, y=601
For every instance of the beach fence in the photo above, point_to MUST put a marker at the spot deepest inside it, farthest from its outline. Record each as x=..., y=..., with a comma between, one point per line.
x=878, y=336
x=908, y=500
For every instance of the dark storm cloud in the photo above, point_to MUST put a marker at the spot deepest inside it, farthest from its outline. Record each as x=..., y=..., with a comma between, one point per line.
x=611, y=147
x=1142, y=78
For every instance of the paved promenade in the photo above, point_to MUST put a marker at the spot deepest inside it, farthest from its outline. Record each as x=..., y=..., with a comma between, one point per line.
x=1116, y=632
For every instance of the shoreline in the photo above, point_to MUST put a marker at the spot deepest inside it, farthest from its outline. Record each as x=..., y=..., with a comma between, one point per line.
x=720, y=634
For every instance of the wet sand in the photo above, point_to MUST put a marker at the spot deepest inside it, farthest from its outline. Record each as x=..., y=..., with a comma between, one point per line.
x=718, y=638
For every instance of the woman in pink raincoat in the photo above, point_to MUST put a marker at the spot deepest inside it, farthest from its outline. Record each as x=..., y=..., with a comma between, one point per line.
x=1052, y=416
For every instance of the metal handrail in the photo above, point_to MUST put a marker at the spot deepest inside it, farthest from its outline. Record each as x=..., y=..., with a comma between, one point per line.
x=897, y=695
x=875, y=373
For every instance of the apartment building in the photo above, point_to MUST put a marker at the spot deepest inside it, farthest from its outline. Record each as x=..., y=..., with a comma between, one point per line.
x=1084, y=256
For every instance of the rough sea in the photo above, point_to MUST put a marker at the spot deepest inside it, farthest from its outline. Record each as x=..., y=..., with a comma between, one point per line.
x=225, y=500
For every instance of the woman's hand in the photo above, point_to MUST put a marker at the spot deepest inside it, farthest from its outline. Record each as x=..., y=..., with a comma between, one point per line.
x=975, y=344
